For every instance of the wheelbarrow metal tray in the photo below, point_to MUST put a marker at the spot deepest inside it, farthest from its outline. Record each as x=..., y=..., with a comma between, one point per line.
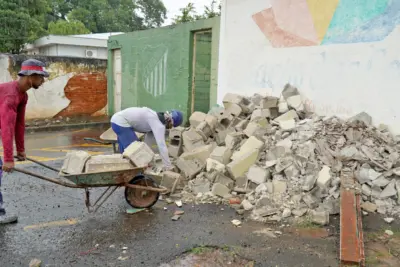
x=108, y=178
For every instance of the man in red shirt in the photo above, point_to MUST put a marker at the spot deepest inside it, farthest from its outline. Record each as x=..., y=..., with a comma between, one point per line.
x=13, y=100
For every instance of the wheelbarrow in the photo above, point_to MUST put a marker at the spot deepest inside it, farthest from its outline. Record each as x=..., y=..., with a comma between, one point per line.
x=140, y=191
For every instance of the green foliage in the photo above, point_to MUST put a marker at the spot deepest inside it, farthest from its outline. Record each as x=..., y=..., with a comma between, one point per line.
x=189, y=13
x=23, y=21
x=63, y=27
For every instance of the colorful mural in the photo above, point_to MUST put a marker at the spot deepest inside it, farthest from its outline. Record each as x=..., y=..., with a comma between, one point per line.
x=293, y=23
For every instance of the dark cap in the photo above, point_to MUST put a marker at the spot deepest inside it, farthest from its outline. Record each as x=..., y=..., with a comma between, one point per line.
x=33, y=66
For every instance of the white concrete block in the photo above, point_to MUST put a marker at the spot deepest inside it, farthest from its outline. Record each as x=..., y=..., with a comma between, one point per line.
x=291, y=114
x=74, y=162
x=241, y=165
x=287, y=125
x=258, y=175
x=324, y=177
x=269, y=102
x=220, y=190
x=212, y=121
x=233, y=139
x=250, y=144
x=200, y=153
x=139, y=153
x=214, y=165
x=107, y=163
x=222, y=154
x=192, y=140
x=295, y=102
x=196, y=118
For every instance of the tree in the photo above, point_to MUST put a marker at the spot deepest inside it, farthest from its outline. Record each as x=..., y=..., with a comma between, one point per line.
x=21, y=21
x=189, y=13
x=63, y=27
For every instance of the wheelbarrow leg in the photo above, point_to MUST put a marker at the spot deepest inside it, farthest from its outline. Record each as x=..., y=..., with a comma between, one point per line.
x=103, y=198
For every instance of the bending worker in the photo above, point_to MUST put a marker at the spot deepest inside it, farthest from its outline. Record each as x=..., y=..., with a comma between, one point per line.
x=147, y=121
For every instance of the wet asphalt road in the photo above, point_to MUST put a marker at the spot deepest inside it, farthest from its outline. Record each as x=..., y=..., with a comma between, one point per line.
x=54, y=225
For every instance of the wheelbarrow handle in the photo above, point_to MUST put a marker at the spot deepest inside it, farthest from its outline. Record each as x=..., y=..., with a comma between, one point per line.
x=40, y=163
x=96, y=141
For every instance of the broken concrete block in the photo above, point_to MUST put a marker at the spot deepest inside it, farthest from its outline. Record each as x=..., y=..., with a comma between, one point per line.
x=204, y=130
x=311, y=201
x=247, y=205
x=190, y=168
x=254, y=127
x=295, y=102
x=258, y=175
x=107, y=163
x=233, y=109
x=362, y=117
x=381, y=182
x=74, y=162
x=367, y=174
x=376, y=191
x=288, y=125
x=283, y=107
x=320, y=217
x=280, y=187
x=139, y=153
x=176, y=132
x=196, y=118
x=224, y=180
x=260, y=114
x=324, y=177
x=233, y=139
x=366, y=190
x=250, y=144
x=220, y=190
x=192, y=140
x=212, y=121
x=289, y=91
x=199, y=186
x=241, y=165
x=309, y=182
x=220, y=136
x=369, y=207
x=222, y=154
x=200, y=153
x=170, y=180
x=269, y=102
x=241, y=125
x=175, y=146
x=286, y=213
x=35, y=263
x=214, y=165
x=389, y=190
x=290, y=115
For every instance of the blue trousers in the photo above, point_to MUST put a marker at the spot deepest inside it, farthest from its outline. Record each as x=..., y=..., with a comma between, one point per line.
x=2, y=210
x=126, y=136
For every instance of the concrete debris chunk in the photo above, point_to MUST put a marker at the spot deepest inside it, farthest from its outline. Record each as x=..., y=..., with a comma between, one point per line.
x=220, y=190
x=242, y=164
x=221, y=154
x=139, y=153
x=320, y=217
x=75, y=162
x=324, y=177
x=35, y=263
x=196, y=118
x=258, y=175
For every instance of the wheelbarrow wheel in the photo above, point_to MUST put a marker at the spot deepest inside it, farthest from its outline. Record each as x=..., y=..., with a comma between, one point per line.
x=141, y=198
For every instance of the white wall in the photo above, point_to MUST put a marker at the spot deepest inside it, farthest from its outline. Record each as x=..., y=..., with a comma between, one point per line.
x=72, y=51
x=339, y=75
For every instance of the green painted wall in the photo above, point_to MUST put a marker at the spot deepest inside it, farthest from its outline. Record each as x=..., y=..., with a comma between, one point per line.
x=157, y=66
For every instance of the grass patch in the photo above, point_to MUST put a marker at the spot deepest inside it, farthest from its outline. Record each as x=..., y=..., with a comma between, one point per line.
x=307, y=224
x=200, y=250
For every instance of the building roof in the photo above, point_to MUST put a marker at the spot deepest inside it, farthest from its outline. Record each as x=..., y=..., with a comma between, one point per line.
x=93, y=40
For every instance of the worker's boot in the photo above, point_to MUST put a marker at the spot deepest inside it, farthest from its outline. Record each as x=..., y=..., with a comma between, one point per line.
x=6, y=219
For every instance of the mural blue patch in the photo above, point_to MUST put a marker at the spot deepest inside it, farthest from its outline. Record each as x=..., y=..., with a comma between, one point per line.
x=373, y=30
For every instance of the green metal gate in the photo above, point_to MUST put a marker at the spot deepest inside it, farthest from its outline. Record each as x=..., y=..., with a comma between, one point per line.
x=201, y=71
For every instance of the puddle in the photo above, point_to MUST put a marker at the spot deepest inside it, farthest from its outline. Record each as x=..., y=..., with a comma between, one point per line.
x=209, y=257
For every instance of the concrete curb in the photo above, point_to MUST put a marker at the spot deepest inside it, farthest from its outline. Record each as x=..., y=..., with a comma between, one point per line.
x=59, y=127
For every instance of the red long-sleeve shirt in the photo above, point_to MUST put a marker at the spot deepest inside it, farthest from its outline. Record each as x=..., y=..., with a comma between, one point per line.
x=12, y=118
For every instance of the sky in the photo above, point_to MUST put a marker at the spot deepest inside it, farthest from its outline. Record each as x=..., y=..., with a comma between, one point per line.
x=173, y=7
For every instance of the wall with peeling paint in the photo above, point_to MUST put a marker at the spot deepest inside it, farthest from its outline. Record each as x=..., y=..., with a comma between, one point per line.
x=157, y=66
x=342, y=55
x=76, y=86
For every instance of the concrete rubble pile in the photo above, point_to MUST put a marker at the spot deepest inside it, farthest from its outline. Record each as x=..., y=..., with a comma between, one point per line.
x=280, y=161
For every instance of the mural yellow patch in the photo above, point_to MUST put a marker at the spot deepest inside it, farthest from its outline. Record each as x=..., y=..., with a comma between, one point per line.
x=322, y=13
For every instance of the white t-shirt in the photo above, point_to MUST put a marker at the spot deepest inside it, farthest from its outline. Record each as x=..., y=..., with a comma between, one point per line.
x=144, y=120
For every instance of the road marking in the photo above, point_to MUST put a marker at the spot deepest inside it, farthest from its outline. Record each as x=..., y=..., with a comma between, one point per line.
x=52, y=224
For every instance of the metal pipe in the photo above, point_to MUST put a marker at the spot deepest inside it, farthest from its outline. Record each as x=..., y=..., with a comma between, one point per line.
x=105, y=199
